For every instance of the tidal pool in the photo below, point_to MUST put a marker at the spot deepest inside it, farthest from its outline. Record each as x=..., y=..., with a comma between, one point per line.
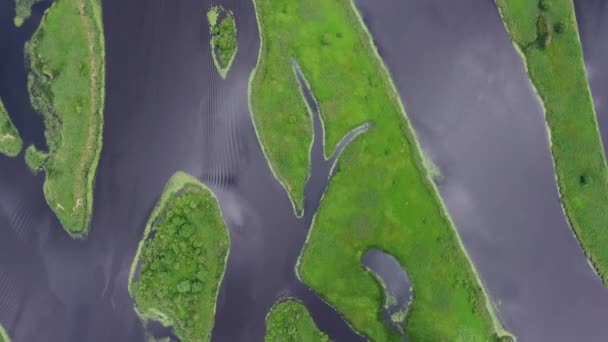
x=398, y=290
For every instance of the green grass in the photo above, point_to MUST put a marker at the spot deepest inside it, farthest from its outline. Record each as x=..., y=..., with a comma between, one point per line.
x=183, y=257
x=3, y=335
x=289, y=321
x=223, y=38
x=23, y=10
x=35, y=159
x=66, y=84
x=557, y=71
x=10, y=140
x=381, y=196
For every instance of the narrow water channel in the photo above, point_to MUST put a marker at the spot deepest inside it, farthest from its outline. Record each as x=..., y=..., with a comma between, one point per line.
x=398, y=291
x=470, y=102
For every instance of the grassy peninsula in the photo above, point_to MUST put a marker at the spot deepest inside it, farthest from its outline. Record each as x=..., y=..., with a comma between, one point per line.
x=66, y=84
x=547, y=37
x=10, y=140
x=182, y=257
x=381, y=196
x=3, y=335
x=289, y=321
x=223, y=38
x=23, y=10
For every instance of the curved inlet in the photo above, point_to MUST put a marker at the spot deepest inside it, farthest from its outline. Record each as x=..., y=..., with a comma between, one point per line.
x=321, y=168
x=398, y=290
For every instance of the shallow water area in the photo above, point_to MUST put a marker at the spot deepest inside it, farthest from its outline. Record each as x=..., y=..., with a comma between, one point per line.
x=468, y=97
x=398, y=289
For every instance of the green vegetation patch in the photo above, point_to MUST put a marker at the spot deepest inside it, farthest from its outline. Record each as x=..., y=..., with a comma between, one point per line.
x=289, y=321
x=66, y=84
x=35, y=159
x=3, y=335
x=182, y=257
x=10, y=140
x=23, y=10
x=556, y=68
x=223, y=38
x=381, y=196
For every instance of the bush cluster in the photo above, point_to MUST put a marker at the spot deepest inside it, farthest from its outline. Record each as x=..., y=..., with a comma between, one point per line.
x=289, y=321
x=224, y=39
x=183, y=262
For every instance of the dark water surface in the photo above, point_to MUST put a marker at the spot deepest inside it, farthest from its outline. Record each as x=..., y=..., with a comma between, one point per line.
x=398, y=289
x=471, y=104
x=167, y=109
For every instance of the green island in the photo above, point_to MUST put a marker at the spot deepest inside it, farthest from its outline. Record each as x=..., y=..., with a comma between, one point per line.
x=223, y=38
x=546, y=35
x=3, y=335
x=381, y=196
x=10, y=140
x=182, y=256
x=289, y=321
x=66, y=84
x=23, y=10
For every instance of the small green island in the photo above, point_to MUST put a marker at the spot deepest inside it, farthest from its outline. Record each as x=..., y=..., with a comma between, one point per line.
x=289, y=321
x=223, y=38
x=10, y=140
x=3, y=335
x=381, y=195
x=23, y=10
x=66, y=56
x=181, y=260
x=546, y=35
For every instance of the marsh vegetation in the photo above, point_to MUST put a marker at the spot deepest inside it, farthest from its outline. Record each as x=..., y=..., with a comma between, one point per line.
x=66, y=85
x=23, y=10
x=381, y=196
x=3, y=335
x=10, y=140
x=546, y=34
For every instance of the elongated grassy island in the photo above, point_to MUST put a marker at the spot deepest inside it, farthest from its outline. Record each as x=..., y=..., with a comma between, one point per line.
x=10, y=140
x=223, y=38
x=182, y=257
x=66, y=84
x=381, y=196
x=23, y=10
x=3, y=335
x=546, y=34
x=289, y=321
